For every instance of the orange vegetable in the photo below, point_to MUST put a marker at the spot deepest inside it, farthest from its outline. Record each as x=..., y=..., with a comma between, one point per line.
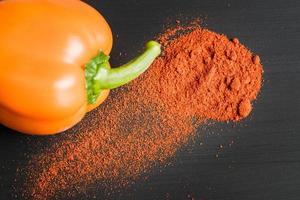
x=54, y=65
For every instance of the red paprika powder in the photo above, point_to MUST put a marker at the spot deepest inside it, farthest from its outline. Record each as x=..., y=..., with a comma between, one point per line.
x=201, y=75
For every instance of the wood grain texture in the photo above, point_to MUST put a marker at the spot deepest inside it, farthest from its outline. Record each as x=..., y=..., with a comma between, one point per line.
x=263, y=163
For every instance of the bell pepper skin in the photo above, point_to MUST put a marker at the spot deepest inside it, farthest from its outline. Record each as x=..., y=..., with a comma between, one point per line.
x=44, y=48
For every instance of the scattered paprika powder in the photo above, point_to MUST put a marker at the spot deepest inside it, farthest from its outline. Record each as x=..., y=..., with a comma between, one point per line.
x=201, y=75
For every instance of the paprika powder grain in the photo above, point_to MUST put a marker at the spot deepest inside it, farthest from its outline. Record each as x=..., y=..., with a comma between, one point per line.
x=201, y=75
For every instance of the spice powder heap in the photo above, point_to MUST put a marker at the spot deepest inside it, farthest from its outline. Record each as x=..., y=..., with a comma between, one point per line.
x=201, y=75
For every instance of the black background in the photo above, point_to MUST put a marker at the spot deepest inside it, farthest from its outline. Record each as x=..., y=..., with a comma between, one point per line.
x=264, y=160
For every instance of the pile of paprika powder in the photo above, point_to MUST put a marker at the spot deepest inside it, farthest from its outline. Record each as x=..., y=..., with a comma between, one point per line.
x=201, y=75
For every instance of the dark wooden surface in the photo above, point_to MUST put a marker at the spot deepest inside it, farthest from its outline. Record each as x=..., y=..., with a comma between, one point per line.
x=263, y=163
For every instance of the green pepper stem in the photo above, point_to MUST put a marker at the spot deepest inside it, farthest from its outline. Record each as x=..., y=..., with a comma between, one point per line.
x=110, y=78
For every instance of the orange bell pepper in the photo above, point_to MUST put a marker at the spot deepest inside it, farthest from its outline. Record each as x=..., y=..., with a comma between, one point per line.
x=54, y=64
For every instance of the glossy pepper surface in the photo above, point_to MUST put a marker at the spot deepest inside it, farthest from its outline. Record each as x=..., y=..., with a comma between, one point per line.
x=54, y=64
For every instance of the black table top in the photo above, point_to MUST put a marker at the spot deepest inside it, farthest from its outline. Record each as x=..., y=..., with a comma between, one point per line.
x=263, y=160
